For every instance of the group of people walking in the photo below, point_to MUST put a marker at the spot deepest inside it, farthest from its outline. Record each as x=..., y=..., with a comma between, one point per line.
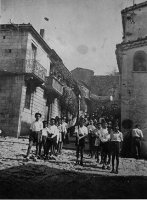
x=104, y=142
x=104, y=139
x=49, y=138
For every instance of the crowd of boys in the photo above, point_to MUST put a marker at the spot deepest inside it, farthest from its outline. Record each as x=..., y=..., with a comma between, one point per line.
x=104, y=139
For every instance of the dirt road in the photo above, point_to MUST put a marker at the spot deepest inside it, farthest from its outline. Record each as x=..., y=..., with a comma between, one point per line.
x=61, y=178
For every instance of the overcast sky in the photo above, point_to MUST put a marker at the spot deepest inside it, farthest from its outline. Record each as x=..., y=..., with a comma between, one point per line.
x=84, y=33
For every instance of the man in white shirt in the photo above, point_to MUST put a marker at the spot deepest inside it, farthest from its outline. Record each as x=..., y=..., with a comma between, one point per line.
x=137, y=135
x=35, y=134
x=81, y=133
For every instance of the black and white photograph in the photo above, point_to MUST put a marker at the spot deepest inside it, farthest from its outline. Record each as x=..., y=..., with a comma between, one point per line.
x=73, y=103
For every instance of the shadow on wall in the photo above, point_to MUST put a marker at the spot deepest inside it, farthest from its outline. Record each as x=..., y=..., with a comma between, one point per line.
x=32, y=181
x=25, y=127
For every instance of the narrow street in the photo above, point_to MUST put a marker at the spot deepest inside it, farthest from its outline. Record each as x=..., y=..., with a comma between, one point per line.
x=61, y=178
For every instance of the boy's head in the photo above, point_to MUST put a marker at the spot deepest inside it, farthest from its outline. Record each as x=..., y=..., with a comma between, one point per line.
x=45, y=124
x=116, y=128
x=82, y=121
x=91, y=122
x=104, y=124
x=98, y=125
x=37, y=116
x=52, y=121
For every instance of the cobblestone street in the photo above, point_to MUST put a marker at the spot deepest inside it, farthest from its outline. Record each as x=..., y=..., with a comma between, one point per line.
x=61, y=178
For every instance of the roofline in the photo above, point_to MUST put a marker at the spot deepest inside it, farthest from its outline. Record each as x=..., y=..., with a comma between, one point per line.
x=82, y=69
x=28, y=27
x=135, y=6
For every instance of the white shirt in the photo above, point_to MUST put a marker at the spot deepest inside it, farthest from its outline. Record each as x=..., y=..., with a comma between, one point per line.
x=91, y=128
x=45, y=131
x=98, y=135
x=104, y=136
x=53, y=130
x=64, y=127
x=136, y=132
x=116, y=137
x=82, y=131
x=36, y=126
x=60, y=135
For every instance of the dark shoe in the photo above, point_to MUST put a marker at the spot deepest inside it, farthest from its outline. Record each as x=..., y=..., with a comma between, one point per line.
x=108, y=167
x=112, y=171
x=116, y=172
x=103, y=167
x=77, y=162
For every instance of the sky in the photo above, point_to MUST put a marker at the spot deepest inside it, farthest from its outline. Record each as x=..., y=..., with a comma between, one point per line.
x=84, y=33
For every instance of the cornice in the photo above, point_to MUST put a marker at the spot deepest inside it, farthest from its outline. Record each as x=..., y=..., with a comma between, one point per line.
x=134, y=7
x=132, y=44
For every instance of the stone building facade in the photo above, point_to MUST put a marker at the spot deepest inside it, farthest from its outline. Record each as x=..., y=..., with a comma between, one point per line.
x=132, y=63
x=26, y=84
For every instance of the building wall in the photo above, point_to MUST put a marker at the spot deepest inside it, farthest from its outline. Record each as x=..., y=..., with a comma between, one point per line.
x=10, y=98
x=38, y=104
x=15, y=119
x=12, y=50
x=133, y=90
x=82, y=75
x=55, y=109
x=106, y=86
x=135, y=23
x=41, y=56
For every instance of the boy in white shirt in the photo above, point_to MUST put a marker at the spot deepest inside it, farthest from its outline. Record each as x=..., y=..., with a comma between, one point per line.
x=81, y=133
x=45, y=132
x=35, y=134
x=116, y=137
x=64, y=129
x=105, y=137
x=52, y=138
x=91, y=138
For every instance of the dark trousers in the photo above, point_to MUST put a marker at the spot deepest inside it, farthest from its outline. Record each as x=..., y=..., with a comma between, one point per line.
x=104, y=152
x=80, y=150
x=34, y=137
x=42, y=144
x=92, y=146
x=49, y=143
x=115, y=149
x=137, y=147
x=97, y=152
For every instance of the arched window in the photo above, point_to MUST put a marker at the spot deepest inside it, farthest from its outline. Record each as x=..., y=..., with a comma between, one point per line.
x=140, y=61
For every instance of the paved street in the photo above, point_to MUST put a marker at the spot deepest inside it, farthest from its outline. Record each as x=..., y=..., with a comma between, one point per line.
x=61, y=178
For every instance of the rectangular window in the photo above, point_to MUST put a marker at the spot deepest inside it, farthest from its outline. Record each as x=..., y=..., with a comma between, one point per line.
x=34, y=51
x=4, y=37
x=28, y=98
x=8, y=51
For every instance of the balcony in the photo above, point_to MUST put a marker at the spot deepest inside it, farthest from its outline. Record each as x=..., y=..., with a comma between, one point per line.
x=35, y=68
x=54, y=85
x=22, y=66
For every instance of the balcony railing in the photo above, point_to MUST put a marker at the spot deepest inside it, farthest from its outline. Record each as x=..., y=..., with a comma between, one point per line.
x=23, y=66
x=34, y=67
x=54, y=85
